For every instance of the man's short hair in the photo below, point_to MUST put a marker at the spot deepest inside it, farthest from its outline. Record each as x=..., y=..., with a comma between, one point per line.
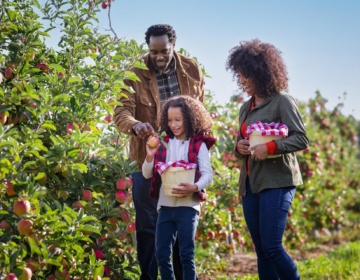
x=159, y=30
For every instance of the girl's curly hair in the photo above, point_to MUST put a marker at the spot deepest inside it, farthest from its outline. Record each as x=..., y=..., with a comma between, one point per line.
x=197, y=119
x=261, y=62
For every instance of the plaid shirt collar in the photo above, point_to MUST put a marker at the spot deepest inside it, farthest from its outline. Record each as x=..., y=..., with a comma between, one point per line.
x=167, y=81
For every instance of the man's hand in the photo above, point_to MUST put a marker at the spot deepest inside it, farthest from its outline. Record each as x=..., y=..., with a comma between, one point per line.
x=143, y=130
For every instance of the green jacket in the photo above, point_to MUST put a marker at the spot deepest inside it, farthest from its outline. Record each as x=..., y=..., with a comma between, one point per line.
x=144, y=104
x=281, y=171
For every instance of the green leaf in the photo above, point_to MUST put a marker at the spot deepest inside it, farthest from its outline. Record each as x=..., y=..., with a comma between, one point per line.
x=88, y=219
x=40, y=175
x=57, y=67
x=131, y=76
x=140, y=65
x=48, y=126
x=89, y=228
x=33, y=246
x=74, y=80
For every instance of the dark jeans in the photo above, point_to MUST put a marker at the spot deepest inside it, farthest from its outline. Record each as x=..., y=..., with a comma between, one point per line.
x=266, y=214
x=146, y=217
x=181, y=223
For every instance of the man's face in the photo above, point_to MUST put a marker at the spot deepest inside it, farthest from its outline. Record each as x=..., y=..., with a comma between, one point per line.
x=161, y=51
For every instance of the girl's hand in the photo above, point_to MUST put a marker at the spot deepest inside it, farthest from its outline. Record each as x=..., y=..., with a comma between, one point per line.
x=185, y=190
x=243, y=147
x=150, y=152
x=260, y=152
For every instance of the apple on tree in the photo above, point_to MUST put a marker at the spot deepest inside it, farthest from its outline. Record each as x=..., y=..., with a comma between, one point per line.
x=120, y=196
x=24, y=226
x=21, y=207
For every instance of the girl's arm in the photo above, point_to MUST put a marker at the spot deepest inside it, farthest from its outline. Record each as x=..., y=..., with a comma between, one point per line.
x=147, y=169
x=204, y=167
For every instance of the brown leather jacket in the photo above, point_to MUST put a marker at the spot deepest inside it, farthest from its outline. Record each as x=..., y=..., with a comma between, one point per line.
x=144, y=104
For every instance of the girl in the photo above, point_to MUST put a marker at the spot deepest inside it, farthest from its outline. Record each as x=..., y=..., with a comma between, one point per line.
x=187, y=125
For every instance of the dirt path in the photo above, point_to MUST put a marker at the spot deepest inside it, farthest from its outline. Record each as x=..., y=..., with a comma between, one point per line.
x=241, y=264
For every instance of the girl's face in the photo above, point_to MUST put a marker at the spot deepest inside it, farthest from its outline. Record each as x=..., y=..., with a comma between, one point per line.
x=176, y=122
x=247, y=84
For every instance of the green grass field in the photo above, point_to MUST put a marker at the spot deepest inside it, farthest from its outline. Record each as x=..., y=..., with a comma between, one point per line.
x=340, y=264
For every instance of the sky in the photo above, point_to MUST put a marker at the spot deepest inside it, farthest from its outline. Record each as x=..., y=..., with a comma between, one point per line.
x=319, y=39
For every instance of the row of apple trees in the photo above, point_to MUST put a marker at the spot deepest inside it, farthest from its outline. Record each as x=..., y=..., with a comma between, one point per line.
x=66, y=210
x=64, y=181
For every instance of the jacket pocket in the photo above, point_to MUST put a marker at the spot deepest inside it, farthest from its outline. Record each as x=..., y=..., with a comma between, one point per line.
x=147, y=100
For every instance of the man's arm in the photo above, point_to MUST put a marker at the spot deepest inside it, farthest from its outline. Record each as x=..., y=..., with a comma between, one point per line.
x=124, y=117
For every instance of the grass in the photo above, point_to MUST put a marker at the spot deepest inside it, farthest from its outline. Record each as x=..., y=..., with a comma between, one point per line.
x=340, y=264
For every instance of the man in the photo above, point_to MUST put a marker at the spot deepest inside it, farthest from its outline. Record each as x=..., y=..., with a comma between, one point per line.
x=170, y=74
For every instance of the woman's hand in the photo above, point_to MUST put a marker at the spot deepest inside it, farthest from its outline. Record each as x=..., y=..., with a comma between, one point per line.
x=185, y=190
x=243, y=147
x=260, y=152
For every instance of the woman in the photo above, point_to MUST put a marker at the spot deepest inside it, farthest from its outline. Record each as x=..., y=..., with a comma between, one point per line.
x=267, y=185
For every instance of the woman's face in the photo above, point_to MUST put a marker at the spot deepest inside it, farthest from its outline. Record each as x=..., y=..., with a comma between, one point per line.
x=247, y=84
x=176, y=122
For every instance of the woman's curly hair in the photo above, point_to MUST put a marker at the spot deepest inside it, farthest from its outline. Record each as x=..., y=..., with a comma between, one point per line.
x=197, y=119
x=159, y=30
x=261, y=62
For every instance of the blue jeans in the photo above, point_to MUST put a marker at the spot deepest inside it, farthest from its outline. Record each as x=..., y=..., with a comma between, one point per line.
x=175, y=222
x=146, y=216
x=265, y=215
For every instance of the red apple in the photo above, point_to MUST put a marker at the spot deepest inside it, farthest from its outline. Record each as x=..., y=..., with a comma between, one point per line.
x=108, y=119
x=125, y=217
x=3, y=118
x=9, y=189
x=211, y=234
x=8, y=73
x=153, y=141
x=5, y=225
x=104, y=5
x=70, y=128
x=131, y=227
x=129, y=182
x=121, y=184
x=13, y=119
x=21, y=207
x=113, y=220
x=120, y=196
x=11, y=276
x=26, y=274
x=87, y=195
x=98, y=254
x=24, y=226
x=78, y=205
x=42, y=66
